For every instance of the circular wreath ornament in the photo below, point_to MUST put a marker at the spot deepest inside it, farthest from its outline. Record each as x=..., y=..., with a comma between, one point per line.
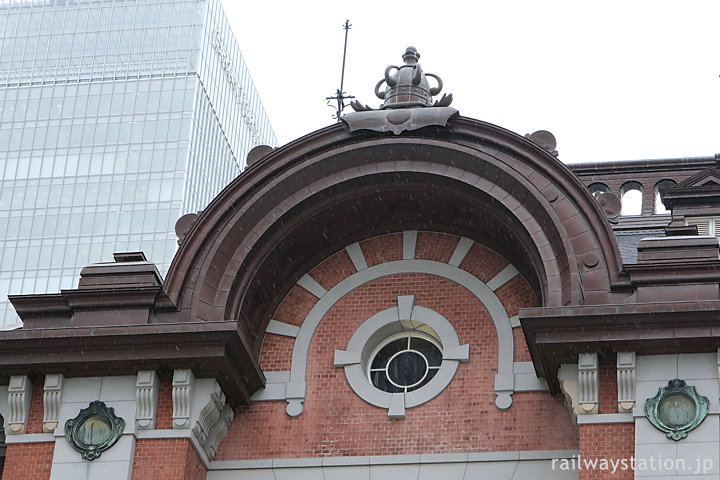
x=94, y=430
x=676, y=409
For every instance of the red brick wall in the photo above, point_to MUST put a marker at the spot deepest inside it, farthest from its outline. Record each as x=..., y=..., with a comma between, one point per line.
x=194, y=468
x=29, y=461
x=166, y=459
x=382, y=249
x=615, y=441
x=163, y=415
x=36, y=413
x=608, y=386
x=464, y=418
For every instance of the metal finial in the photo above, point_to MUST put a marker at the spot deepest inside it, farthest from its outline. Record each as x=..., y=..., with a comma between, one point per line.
x=340, y=95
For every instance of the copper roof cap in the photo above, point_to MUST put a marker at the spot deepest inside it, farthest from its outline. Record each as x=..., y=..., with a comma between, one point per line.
x=407, y=86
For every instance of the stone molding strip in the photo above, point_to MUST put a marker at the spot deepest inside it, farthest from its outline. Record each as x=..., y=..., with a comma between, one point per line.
x=503, y=277
x=605, y=418
x=393, y=459
x=461, y=250
x=357, y=257
x=409, y=244
x=282, y=328
x=311, y=285
x=30, y=438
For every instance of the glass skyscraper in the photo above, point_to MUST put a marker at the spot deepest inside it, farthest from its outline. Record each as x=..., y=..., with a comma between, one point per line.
x=116, y=117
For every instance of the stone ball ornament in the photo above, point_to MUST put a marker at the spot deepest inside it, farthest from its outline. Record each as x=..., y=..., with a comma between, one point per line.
x=94, y=430
x=676, y=409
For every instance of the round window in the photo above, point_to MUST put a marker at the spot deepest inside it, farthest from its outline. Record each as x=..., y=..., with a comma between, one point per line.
x=404, y=363
x=402, y=357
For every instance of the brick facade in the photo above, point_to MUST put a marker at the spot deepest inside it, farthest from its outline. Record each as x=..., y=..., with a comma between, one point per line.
x=166, y=459
x=608, y=386
x=30, y=461
x=614, y=443
x=464, y=418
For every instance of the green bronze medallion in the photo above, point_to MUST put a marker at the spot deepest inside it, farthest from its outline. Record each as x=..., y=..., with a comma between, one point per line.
x=94, y=430
x=676, y=409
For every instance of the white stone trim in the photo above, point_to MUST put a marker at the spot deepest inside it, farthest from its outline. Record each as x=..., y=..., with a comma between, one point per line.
x=19, y=396
x=405, y=306
x=357, y=257
x=296, y=386
x=281, y=328
x=458, y=465
x=606, y=418
x=213, y=422
x=515, y=322
x=503, y=277
x=409, y=244
x=461, y=250
x=379, y=327
x=626, y=381
x=218, y=431
x=209, y=414
x=589, y=382
x=526, y=380
x=312, y=286
x=146, y=397
x=30, y=438
x=275, y=383
x=52, y=397
x=183, y=384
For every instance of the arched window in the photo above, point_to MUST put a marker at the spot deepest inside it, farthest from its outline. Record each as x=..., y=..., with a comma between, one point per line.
x=631, y=195
x=659, y=207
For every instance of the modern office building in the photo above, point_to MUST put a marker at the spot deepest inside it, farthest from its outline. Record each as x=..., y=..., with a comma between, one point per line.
x=116, y=117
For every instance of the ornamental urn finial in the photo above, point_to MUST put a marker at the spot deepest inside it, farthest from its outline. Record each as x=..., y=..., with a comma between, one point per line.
x=407, y=86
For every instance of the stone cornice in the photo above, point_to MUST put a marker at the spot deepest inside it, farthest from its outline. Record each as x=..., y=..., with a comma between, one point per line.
x=209, y=349
x=558, y=335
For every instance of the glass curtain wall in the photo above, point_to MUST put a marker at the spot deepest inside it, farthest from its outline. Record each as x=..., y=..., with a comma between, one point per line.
x=116, y=117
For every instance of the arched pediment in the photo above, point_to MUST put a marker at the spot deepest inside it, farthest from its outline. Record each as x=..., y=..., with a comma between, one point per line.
x=312, y=197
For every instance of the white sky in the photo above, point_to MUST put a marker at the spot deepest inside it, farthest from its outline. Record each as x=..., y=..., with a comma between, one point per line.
x=612, y=80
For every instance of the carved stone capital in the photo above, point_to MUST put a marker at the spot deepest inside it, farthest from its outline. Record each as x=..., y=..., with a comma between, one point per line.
x=209, y=414
x=570, y=388
x=183, y=385
x=626, y=381
x=146, y=395
x=52, y=396
x=589, y=382
x=218, y=431
x=19, y=395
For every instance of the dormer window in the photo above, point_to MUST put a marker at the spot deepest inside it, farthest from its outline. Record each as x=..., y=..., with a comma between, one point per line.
x=707, y=226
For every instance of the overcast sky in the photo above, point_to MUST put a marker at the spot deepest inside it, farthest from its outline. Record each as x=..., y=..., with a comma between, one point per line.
x=612, y=80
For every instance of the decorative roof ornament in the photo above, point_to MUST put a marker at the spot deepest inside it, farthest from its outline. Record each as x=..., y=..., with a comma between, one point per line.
x=407, y=87
x=408, y=100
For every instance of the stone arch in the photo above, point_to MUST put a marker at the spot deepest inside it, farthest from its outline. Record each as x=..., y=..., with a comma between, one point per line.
x=330, y=188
